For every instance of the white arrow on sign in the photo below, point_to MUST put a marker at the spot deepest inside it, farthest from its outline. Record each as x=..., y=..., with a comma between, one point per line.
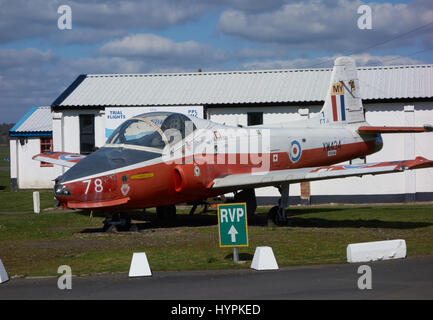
x=233, y=232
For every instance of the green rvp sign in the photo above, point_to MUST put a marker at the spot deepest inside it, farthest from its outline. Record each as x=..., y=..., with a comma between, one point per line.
x=232, y=225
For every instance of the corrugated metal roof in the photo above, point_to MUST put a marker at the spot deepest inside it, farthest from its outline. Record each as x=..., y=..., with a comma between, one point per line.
x=38, y=119
x=272, y=86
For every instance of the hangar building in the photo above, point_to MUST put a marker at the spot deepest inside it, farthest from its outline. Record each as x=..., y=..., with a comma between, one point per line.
x=85, y=114
x=31, y=135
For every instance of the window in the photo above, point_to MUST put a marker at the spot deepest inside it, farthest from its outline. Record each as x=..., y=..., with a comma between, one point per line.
x=87, y=133
x=255, y=118
x=46, y=146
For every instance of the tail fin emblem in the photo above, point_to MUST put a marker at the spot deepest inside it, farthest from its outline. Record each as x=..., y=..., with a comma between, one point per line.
x=337, y=99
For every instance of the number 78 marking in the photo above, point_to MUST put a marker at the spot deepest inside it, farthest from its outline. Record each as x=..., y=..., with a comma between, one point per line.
x=98, y=185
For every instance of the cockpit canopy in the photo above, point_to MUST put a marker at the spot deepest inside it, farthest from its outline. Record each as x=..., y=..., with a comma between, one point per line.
x=153, y=130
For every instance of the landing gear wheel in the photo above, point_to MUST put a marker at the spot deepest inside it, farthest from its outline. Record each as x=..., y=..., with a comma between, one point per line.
x=116, y=222
x=126, y=223
x=166, y=212
x=249, y=197
x=133, y=228
x=278, y=216
x=171, y=212
x=160, y=213
x=272, y=213
x=109, y=228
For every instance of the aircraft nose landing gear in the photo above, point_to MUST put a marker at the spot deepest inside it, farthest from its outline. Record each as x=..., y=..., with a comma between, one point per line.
x=116, y=222
x=277, y=214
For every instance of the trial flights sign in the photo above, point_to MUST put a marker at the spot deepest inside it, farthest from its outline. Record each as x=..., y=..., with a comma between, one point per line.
x=232, y=225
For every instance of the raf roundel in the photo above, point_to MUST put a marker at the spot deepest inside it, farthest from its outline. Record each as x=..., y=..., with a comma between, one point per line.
x=295, y=151
x=67, y=157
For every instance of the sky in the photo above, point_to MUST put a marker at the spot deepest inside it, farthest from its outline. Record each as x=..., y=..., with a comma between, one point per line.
x=38, y=60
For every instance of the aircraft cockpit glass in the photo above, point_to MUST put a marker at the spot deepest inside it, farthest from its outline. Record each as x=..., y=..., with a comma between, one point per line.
x=154, y=130
x=176, y=127
x=138, y=133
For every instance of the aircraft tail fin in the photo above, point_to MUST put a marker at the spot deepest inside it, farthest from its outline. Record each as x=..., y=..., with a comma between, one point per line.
x=343, y=102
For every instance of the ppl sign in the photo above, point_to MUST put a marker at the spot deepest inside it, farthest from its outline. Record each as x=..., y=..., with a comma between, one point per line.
x=232, y=225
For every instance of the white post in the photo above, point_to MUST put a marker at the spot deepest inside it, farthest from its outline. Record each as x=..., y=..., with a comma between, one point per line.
x=139, y=265
x=3, y=274
x=36, y=202
x=235, y=255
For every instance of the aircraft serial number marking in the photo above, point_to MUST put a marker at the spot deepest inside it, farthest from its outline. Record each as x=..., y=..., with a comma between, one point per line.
x=332, y=145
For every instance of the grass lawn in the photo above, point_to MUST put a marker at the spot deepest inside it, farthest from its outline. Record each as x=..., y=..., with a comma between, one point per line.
x=4, y=153
x=33, y=244
x=22, y=200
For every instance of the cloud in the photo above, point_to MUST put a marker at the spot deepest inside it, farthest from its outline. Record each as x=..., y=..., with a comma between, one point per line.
x=27, y=80
x=328, y=25
x=30, y=77
x=26, y=58
x=20, y=19
x=258, y=53
x=365, y=59
x=250, y=5
x=84, y=36
x=149, y=13
x=38, y=18
x=162, y=50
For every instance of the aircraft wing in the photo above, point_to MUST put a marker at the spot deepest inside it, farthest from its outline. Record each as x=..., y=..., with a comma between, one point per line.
x=60, y=158
x=277, y=177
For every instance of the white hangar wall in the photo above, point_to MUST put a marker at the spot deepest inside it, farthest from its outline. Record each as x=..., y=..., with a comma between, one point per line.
x=31, y=174
x=66, y=128
x=396, y=147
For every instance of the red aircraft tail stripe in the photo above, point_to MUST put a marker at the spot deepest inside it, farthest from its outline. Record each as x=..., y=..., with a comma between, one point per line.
x=334, y=108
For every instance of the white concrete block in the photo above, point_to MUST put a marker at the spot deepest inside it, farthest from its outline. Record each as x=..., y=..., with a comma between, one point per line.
x=36, y=202
x=139, y=265
x=3, y=274
x=377, y=250
x=264, y=259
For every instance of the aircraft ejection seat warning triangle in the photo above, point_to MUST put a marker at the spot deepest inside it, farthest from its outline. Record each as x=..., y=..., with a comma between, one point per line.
x=264, y=259
x=3, y=275
x=139, y=265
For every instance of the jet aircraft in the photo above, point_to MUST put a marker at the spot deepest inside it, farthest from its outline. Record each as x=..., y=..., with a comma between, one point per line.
x=161, y=159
